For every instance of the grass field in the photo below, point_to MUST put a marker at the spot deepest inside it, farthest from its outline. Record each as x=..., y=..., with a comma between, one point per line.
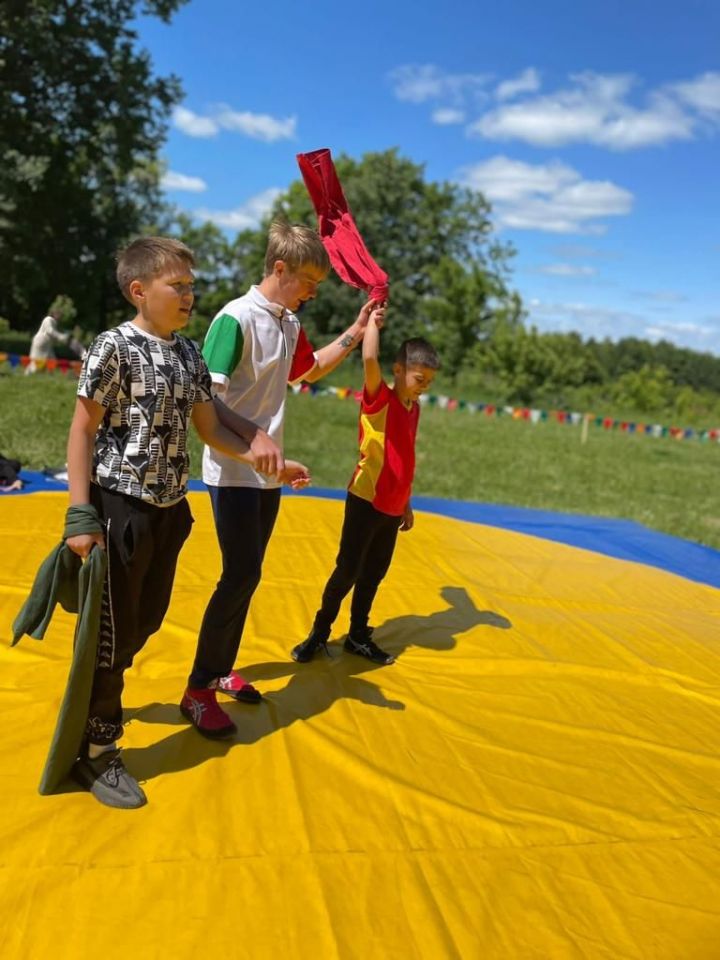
x=666, y=484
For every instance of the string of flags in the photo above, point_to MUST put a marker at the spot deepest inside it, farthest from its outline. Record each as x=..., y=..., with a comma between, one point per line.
x=442, y=402
x=49, y=363
x=532, y=415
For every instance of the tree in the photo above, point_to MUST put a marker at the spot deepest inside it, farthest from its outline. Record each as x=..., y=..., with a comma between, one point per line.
x=466, y=308
x=533, y=367
x=646, y=390
x=81, y=118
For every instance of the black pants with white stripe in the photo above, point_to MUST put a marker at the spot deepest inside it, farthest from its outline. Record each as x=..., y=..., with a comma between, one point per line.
x=143, y=543
x=244, y=520
x=367, y=544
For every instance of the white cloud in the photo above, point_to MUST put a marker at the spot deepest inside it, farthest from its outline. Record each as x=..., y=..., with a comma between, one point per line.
x=247, y=216
x=181, y=181
x=601, y=322
x=587, y=319
x=258, y=126
x=702, y=93
x=506, y=180
x=550, y=197
x=192, y=124
x=593, y=110
x=568, y=270
x=607, y=110
x=577, y=250
x=687, y=327
x=526, y=82
x=418, y=83
x=444, y=116
x=661, y=296
x=694, y=335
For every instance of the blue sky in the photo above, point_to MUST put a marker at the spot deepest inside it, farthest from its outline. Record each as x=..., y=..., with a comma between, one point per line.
x=592, y=128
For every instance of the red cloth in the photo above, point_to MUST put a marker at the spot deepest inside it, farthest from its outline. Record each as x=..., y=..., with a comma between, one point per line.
x=348, y=254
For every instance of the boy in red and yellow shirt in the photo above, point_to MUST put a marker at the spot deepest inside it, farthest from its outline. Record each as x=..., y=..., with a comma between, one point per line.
x=378, y=500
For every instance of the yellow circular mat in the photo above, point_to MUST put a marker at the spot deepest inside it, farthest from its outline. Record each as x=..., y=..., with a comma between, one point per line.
x=536, y=778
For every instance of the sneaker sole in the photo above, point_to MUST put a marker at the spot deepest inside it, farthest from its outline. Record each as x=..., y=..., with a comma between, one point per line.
x=380, y=663
x=240, y=697
x=300, y=659
x=221, y=734
x=106, y=798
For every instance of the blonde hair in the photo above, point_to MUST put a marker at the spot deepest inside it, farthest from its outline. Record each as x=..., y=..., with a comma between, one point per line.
x=149, y=257
x=296, y=245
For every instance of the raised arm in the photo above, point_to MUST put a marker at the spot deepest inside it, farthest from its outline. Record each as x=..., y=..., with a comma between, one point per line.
x=371, y=351
x=333, y=354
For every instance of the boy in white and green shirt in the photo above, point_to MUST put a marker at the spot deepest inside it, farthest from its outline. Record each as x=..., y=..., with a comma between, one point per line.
x=255, y=346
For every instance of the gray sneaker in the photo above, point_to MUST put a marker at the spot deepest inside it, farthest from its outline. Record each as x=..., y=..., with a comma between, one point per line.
x=108, y=781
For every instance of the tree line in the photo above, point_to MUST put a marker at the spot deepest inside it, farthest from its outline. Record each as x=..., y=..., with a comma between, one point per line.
x=83, y=120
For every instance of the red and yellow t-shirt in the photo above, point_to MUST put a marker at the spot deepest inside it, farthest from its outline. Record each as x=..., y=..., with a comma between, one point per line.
x=385, y=471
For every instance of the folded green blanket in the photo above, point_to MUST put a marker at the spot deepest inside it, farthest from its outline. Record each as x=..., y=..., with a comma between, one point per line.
x=78, y=587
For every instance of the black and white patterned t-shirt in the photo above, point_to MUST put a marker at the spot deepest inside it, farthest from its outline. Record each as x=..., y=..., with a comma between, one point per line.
x=148, y=387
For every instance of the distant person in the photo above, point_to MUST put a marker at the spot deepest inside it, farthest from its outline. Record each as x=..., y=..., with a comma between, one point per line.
x=141, y=383
x=255, y=346
x=10, y=475
x=42, y=346
x=378, y=499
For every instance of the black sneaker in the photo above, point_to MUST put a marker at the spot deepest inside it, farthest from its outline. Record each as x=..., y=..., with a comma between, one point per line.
x=108, y=781
x=305, y=651
x=363, y=645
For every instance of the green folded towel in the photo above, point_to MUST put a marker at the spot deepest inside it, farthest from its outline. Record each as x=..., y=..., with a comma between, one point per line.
x=78, y=587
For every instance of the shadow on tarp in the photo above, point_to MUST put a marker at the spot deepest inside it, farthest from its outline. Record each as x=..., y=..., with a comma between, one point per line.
x=312, y=688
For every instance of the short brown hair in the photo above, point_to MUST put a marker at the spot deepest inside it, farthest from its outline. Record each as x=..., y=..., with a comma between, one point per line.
x=417, y=352
x=296, y=245
x=148, y=257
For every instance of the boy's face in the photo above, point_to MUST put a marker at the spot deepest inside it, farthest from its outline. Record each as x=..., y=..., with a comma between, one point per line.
x=166, y=300
x=297, y=286
x=412, y=381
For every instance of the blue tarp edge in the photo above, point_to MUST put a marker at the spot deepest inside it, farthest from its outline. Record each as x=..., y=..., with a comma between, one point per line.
x=621, y=539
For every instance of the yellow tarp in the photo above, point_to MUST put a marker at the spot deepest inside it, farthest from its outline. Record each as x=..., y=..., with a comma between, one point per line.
x=535, y=778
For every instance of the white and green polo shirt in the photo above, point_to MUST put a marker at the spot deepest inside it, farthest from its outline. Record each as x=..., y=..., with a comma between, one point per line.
x=253, y=349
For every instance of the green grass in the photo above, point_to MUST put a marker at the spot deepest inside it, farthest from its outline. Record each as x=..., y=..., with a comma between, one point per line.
x=666, y=484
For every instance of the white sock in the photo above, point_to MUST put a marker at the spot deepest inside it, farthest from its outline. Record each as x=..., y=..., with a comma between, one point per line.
x=95, y=749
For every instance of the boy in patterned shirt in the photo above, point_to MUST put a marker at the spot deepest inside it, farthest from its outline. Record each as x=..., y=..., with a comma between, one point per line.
x=141, y=384
x=378, y=498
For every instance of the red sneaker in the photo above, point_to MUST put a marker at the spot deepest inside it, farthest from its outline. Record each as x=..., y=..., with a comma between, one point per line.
x=201, y=708
x=237, y=687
